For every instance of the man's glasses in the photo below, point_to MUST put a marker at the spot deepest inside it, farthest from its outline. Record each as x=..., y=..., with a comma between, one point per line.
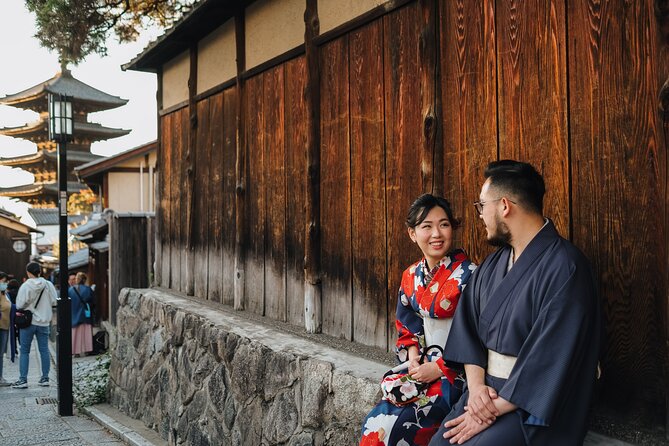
x=478, y=205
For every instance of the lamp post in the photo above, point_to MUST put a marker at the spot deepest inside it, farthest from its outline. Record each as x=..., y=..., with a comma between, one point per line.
x=60, y=131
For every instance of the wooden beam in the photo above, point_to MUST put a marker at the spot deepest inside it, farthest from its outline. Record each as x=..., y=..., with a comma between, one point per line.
x=240, y=166
x=191, y=164
x=427, y=54
x=312, y=261
x=157, y=269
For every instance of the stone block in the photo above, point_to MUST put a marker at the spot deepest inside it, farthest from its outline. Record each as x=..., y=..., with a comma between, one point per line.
x=281, y=372
x=316, y=377
x=281, y=419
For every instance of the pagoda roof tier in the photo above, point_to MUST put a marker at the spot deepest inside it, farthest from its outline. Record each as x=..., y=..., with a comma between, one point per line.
x=84, y=97
x=74, y=158
x=38, y=190
x=38, y=131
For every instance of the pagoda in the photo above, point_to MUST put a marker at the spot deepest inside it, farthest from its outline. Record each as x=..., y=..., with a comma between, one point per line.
x=43, y=193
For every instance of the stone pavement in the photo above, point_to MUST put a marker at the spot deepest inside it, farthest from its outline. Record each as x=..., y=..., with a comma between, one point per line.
x=30, y=416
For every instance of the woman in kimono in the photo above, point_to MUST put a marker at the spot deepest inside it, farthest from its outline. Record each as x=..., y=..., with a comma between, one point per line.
x=428, y=295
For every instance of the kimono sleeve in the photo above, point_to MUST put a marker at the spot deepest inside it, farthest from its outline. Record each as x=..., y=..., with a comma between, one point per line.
x=561, y=349
x=464, y=345
x=409, y=326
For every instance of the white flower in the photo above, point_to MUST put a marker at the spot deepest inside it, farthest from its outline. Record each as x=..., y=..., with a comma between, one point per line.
x=381, y=421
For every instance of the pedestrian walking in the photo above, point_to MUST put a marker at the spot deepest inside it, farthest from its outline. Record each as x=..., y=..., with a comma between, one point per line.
x=37, y=295
x=81, y=297
x=6, y=328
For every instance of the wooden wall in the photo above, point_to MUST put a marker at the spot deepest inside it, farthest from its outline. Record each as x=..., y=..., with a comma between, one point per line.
x=568, y=86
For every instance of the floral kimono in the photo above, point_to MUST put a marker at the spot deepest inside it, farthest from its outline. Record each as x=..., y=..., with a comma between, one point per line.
x=425, y=308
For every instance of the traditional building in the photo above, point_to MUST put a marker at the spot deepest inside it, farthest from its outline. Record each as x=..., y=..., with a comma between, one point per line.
x=43, y=164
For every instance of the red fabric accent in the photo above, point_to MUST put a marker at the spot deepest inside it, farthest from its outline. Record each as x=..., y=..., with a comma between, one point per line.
x=448, y=373
x=405, y=338
x=371, y=440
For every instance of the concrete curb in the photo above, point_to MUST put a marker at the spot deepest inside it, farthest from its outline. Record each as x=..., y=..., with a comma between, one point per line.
x=126, y=434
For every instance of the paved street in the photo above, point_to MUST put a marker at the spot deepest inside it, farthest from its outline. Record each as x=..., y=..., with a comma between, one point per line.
x=25, y=421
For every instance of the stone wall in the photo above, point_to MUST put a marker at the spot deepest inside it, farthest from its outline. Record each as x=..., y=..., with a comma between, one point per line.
x=201, y=376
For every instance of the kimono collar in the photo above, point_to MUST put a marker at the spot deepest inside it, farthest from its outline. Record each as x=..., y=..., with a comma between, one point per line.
x=445, y=261
x=512, y=254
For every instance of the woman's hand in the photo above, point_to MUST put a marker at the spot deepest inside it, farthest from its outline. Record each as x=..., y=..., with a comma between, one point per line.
x=426, y=373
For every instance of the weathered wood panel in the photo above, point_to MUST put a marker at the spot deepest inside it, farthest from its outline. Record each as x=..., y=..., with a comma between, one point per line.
x=275, y=194
x=229, y=184
x=532, y=89
x=370, y=298
x=128, y=236
x=165, y=153
x=186, y=168
x=254, y=288
x=176, y=185
x=403, y=136
x=200, y=218
x=296, y=174
x=335, y=190
x=619, y=178
x=469, y=101
x=216, y=202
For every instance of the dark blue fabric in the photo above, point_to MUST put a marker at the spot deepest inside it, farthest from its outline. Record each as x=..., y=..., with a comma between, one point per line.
x=78, y=304
x=545, y=312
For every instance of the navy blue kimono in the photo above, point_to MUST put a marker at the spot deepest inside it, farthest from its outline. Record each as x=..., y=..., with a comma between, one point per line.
x=545, y=312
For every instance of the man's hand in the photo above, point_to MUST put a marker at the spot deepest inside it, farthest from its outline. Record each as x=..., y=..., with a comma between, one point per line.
x=480, y=404
x=463, y=428
x=426, y=373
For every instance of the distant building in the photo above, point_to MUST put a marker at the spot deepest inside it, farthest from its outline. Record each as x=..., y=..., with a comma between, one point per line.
x=43, y=164
x=124, y=182
x=15, y=243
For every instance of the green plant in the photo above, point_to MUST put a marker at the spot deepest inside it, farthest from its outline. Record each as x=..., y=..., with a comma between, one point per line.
x=89, y=384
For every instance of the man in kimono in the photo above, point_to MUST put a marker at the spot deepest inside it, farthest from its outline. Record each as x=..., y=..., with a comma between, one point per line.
x=527, y=329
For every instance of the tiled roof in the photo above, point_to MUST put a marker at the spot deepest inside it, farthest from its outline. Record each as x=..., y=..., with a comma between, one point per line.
x=93, y=130
x=205, y=17
x=63, y=83
x=26, y=190
x=100, y=165
x=73, y=156
x=78, y=259
x=49, y=216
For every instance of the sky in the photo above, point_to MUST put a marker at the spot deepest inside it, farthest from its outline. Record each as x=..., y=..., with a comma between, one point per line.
x=26, y=64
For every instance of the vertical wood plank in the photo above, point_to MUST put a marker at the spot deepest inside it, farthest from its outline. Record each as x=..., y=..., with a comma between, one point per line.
x=275, y=194
x=296, y=174
x=175, y=200
x=189, y=192
x=469, y=100
x=254, y=267
x=184, y=166
x=335, y=190
x=201, y=182
x=532, y=91
x=216, y=203
x=240, y=164
x=312, y=240
x=370, y=298
x=165, y=173
x=619, y=176
x=430, y=113
x=403, y=128
x=158, y=191
x=229, y=209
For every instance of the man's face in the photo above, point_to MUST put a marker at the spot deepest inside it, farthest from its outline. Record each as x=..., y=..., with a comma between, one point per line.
x=72, y=280
x=497, y=231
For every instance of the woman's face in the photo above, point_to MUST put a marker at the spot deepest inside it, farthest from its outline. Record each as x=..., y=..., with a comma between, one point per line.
x=434, y=235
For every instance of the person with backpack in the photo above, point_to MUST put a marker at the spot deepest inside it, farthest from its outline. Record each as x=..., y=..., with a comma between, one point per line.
x=81, y=297
x=37, y=295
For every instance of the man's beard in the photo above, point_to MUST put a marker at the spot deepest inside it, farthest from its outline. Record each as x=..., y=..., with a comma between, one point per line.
x=502, y=235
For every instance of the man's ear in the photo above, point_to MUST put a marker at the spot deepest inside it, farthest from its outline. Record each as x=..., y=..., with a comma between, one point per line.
x=507, y=206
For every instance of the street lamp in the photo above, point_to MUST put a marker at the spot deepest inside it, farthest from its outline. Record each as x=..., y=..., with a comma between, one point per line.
x=60, y=131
